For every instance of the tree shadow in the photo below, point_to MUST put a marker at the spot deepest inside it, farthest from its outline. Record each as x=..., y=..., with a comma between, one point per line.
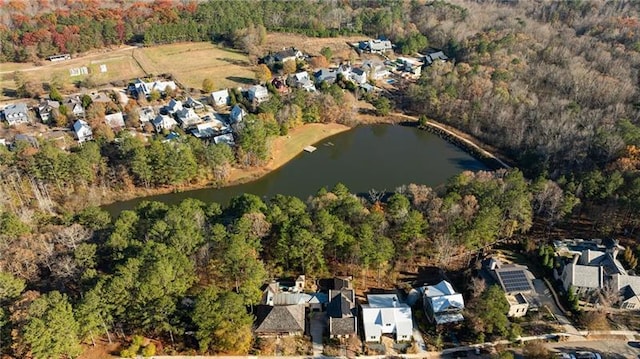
x=9, y=92
x=242, y=80
x=236, y=62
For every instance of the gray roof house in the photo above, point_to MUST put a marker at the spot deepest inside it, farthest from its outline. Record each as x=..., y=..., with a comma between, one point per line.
x=115, y=121
x=343, y=313
x=517, y=283
x=290, y=54
x=376, y=69
x=46, y=108
x=173, y=106
x=376, y=46
x=74, y=104
x=629, y=288
x=145, y=115
x=302, y=80
x=280, y=320
x=359, y=76
x=140, y=87
x=329, y=76
x=437, y=56
x=82, y=131
x=16, y=113
x=194, y=104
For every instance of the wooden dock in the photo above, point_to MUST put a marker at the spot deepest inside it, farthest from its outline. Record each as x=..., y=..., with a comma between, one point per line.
x=310, y=149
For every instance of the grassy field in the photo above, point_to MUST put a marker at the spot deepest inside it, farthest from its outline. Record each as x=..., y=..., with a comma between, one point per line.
x=191, y=63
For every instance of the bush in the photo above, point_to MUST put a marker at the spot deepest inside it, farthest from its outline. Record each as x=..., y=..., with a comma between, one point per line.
x=149, y=350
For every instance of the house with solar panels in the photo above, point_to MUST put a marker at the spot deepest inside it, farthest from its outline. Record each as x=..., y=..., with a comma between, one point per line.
x=515, y=280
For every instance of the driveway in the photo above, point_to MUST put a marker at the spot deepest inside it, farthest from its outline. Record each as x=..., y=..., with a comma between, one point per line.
x=545, y=298
x=316, y=329
x=610, y=348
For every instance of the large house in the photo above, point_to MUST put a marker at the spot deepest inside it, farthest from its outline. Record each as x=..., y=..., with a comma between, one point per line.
x=237, y=114
x=74, y=105
x=284, y=292
x=326, y=75
x=301, y=80
x=163, y=122
x=16, y=113
x=592, y=267
x=194, y=104
x=385, y=314
x=376, y=46
x=376, y=69
x=290, y=54
x=187, y=117
x=140, y=87
x=442, y=304
x=435, y=56
x=82, y=131
x=146, y=115
x=342, y=310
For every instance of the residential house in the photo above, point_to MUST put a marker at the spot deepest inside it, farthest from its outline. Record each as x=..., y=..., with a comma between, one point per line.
x=146, y=115
x=46, y=108
x=74, y=105
x=384, y=314
x=591, y=267
x=301, y=80
x=376, y=69
x=194, y=104
x=280, y=320
x=517, y=283
x=367, y=87
x=345, y=71
x=326, y=75
x=284, y=292
x=342, y=310
x=435, y=56
x=359, y=76
x=140, y=87
x=226, y=139
x=100, y=97
x=82, y=131
x=237, y=114
x=187, y=117
x=16, y=113
x=291, y=54
x=210, y=128
x=115, y=121
x=163, y=122
x=376, y=46
x=410, y=66
x=258, y=94
x=442, y=304
x=220, y=98
x=173, y=106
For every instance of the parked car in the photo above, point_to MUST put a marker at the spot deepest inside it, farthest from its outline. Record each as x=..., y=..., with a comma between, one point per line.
x=587, y=355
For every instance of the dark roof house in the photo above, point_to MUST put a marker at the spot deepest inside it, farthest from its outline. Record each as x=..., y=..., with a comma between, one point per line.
x=280, y=320
x=342, y=313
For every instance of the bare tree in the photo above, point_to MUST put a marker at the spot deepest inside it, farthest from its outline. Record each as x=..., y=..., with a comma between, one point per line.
x=73, y=235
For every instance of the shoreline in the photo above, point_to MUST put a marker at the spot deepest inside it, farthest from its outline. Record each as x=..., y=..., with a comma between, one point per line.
x=286, y=148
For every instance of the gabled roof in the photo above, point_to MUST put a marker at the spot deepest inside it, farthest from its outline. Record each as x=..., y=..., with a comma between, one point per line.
x=114, y=120
x=587, y=277
x=440, y=289
x=279, y=319
x=341, y=303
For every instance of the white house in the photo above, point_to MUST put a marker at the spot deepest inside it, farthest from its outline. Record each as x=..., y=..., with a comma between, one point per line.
x=258, y=93
x=220, y=98
x=442, y=303
x=194, y=104
x=16, y=113
x=74, y=105
x=187, y=117
x=302, y=80
x=209, y=129
x=376, y=69
x=359, y=76
x=146, y=115
x=115, y=121
x=173, y=106
x=140, y=87
x=237, y=114
x=384, y=314
x=376, y=46
x=46, y=108
x=163, y=122
x=82, y=131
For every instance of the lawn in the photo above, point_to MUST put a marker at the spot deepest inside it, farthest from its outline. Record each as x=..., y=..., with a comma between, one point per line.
x=192, y=62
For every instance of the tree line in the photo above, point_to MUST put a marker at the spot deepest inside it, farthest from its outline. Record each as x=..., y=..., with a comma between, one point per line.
x=165, y=271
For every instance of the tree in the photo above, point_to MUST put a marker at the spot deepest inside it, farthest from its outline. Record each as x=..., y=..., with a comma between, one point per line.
x=51, y=329
x=327, y=53
x=289, y=67
x=10, y=287
x=536, y=350
x=223, y=323
x=207, y=85
x=263, y=74
x=55, y=95
x=383, y=105
x=491, y=309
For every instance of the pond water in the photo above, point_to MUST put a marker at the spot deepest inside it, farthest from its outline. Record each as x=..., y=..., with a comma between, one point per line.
x=380, y=157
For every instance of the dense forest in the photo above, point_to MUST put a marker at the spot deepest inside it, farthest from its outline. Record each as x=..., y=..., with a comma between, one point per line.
x=165, y=271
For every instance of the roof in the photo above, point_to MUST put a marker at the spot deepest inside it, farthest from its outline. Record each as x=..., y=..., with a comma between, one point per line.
x=514, y=279
x=384, y=301
x=79, y=125
x=380, y=311
x=343, y=326
x=341, y=303
x=15, y=110
x=279, y=319
x=440, y=289
x=114, y=120
x=281, y=55
x=226, y=139
x=446, y=303
x=237, y=113
x=586, y=276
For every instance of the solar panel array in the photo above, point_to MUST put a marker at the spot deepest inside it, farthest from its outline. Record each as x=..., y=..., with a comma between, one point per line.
x=515, y=281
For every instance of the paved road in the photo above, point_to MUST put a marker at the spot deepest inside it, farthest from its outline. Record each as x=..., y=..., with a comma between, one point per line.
x=610, y=348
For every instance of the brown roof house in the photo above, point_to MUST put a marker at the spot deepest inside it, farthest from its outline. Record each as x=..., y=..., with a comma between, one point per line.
x=280, y=320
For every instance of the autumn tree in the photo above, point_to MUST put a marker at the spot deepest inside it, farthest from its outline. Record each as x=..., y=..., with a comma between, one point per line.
x=289, y=67
x=207, y=85
x=263, y=74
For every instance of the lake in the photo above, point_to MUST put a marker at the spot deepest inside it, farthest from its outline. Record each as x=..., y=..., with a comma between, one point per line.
x=381, y=157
